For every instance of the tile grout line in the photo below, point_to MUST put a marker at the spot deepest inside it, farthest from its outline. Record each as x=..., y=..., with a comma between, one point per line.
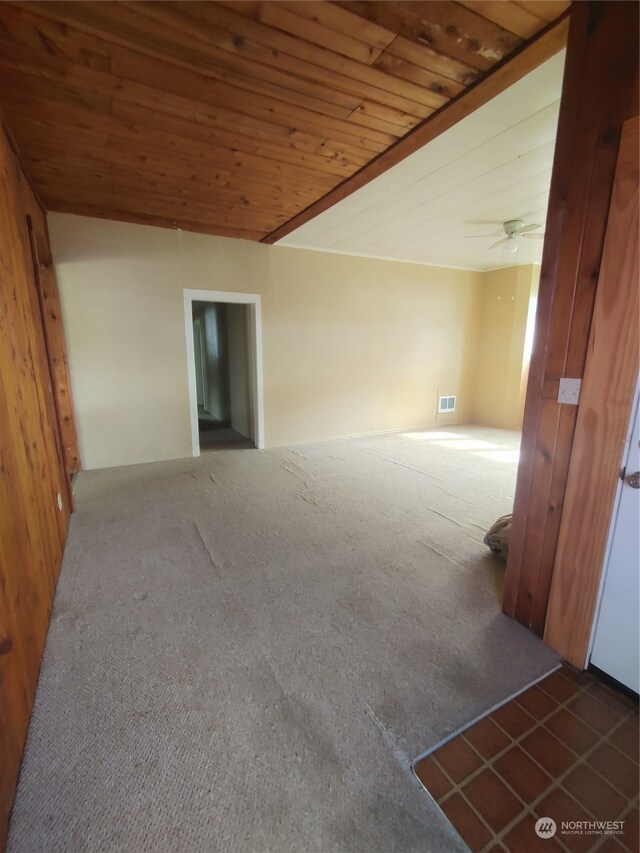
x=460, y=733
x=512, y=697
x=558, y=781
x=497, y=837
x=602, y=738
x=537, y=723
x=622, y=816
x=514, y=741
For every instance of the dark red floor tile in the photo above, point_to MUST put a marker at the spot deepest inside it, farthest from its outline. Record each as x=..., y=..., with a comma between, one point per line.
x=631, y=837
x=616, y=769
x=513, y=719
x=600, y=717
x=487, y=738
x=572, y=732
x=561, y=807
x=582, y=679
x=523, y=838
x=538, y=703
x=522, y=774
x=465, y=822
x=433, y=778
x=547, y=750
x=598, y=797
x=625, y=737
x=457, y=758
x=611, y=845
x=616, y=701
x=492, y=799
x=559, y=687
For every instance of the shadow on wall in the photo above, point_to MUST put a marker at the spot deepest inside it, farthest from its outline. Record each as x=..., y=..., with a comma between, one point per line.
x=507, y=319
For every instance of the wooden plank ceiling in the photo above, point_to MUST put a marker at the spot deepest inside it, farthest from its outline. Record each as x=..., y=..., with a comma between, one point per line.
x=232, y=117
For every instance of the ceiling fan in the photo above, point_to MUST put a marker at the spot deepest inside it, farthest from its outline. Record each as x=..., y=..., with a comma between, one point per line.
x=513, y=229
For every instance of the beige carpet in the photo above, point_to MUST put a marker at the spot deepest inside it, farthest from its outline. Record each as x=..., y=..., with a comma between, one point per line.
x=248, y=650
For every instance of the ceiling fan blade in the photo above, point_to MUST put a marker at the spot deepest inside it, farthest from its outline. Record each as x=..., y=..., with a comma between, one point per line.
x=500, y=242
x=531, y=227
x=533, y=236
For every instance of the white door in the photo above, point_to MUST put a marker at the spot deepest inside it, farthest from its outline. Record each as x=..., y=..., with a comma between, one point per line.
x=617, y=635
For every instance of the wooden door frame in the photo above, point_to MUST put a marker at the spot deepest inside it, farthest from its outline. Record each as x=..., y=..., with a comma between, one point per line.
x=599, y=94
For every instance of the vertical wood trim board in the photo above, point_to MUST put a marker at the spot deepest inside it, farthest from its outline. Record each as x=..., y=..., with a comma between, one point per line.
x=48, y=353
x=47, y=288
x=598, y=94
x=603, y=417
x=34, y=504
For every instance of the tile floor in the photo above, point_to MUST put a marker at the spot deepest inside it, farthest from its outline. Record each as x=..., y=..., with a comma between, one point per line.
x=565, y=749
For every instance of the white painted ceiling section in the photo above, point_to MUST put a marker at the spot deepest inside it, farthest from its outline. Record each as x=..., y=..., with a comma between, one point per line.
x=492, y=166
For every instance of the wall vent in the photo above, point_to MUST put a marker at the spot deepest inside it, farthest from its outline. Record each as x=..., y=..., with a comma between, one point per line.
x=446, y=405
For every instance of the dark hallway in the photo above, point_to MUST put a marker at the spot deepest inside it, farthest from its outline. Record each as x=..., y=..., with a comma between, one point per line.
x=222, y=375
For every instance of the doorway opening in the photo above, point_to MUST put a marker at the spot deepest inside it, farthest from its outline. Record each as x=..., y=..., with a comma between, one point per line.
x=225, y=376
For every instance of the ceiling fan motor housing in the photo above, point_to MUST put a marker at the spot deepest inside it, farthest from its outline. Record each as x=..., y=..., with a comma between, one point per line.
x=512, y=226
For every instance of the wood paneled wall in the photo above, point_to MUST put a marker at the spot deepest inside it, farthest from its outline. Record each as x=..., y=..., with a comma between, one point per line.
x=599, y=94
x=47, y=286
x=34, y=495
x=605, y=408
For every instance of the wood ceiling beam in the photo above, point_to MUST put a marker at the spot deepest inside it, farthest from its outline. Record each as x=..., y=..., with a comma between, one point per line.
x=533, y=53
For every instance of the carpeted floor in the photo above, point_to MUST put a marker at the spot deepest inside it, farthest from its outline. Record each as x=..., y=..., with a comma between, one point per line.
x=248, y=650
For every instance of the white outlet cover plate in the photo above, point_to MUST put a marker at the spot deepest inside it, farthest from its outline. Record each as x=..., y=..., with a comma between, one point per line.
x=569, y=391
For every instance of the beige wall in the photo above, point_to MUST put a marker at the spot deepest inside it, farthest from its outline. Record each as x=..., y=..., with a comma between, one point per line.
x=350, y=345
x=239, y=369
x=506, y=325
